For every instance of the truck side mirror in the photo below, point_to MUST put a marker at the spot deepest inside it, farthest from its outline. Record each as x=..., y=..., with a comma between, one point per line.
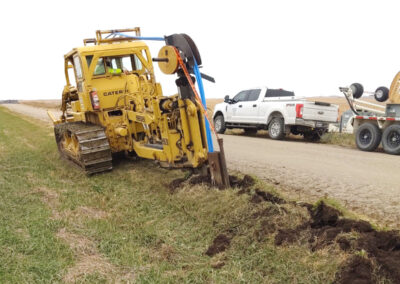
x=226, y=99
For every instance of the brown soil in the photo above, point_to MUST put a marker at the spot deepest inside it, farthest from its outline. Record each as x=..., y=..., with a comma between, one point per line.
x=244, y=183
x=383, y=247
x=220, y=244
x=357, y=270
x=260, y=196
x=200, y=180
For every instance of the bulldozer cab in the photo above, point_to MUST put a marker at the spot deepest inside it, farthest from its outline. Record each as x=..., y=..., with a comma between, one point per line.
x=111, y=71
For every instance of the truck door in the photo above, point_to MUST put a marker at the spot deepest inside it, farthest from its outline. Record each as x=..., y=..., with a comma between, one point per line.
x=249, y=109
x=234, y=108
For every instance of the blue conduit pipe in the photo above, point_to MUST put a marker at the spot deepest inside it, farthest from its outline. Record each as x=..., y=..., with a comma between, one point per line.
x=203, y=101
x=141, y=37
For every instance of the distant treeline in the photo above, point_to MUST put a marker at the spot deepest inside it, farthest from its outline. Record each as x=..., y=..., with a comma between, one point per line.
x=9, y=101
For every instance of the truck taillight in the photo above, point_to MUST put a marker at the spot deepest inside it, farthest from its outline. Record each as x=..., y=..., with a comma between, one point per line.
x=95, y=99
x=299, y=110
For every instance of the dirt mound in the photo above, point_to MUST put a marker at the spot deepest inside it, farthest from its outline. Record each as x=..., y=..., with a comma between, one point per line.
x=244, y=183
x=220, y=244
x=260, y=196
x=385, y=248
x=357, y=270
x=324, y=216
x=200, y=180
x=324, y=227
x=286, y=236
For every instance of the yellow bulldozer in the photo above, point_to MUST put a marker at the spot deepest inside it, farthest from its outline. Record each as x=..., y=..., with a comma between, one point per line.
x=116, y=105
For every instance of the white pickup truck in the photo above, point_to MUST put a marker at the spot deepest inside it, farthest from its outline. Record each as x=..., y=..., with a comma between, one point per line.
x=275, y=110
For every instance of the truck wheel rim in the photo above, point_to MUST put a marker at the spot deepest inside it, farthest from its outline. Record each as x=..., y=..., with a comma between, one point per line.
x=275, y=128
x=365, y=137
x=379, y=94
x=394, y=139
x=218, y=124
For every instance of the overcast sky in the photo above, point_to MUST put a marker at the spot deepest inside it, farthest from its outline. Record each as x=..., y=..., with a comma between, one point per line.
x=311, y=46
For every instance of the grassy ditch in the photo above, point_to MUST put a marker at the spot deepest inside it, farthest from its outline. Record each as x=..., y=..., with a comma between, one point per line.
x=144, y=224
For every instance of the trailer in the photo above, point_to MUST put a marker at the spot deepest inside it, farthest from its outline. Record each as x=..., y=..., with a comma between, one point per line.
x=373, y=123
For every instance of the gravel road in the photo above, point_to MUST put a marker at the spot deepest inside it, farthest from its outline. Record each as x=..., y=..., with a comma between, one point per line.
x=35, y=112
x=368, y=183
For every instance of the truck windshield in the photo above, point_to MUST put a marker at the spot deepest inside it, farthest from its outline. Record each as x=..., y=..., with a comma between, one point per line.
x=118, y=64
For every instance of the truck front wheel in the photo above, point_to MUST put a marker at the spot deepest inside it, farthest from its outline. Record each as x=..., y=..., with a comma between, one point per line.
x=391, y=139
x=219, y=124
x=276, y=128
x=368, y=137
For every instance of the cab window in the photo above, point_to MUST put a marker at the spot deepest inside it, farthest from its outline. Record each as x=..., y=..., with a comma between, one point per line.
x=118, y=64
x=100, y=69
x=278, y=93
x=78, y=68
x=89, y=59
x=253, y=95
x=242, y=96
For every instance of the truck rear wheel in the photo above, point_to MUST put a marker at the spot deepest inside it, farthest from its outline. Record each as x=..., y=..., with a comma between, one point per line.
x=368, y=137
x=276, y=128
x=391, y=139
x=219, y=124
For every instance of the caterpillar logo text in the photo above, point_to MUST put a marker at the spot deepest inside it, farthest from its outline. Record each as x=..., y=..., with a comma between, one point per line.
x=117, y=92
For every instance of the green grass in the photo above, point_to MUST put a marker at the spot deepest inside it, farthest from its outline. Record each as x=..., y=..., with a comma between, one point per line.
x=53, y=219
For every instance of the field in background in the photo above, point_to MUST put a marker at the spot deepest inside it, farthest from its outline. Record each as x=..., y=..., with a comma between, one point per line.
x=42, y=103
x=341, y=101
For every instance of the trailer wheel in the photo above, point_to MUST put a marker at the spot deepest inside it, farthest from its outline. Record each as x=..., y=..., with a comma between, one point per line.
x=276, y=128
x=219, y=124
x=391, y=139
x=368, y=137
x=357, y=89
x=381, y=94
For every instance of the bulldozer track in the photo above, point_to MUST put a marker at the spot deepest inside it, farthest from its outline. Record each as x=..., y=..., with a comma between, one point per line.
x=94, y=152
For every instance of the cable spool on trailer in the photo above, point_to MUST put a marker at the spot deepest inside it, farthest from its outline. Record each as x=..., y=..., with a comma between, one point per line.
x=394, y=94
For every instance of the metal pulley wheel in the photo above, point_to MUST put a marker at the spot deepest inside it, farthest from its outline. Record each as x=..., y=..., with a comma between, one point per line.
x=170, y=65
